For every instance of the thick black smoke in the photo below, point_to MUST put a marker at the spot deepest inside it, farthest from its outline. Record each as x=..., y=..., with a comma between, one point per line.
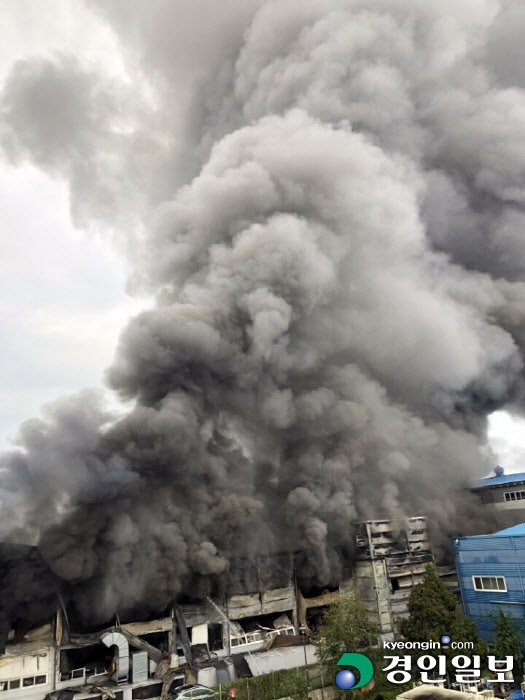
x=335, y=195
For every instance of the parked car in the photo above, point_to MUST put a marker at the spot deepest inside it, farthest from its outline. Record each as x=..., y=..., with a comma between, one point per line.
x=192, y=691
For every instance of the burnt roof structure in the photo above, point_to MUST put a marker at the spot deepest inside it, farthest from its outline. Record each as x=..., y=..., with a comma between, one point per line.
x=29, y=589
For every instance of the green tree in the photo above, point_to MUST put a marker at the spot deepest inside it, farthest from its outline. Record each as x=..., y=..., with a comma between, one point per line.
x=507, y=641
x=346, y=627
x=433, y=613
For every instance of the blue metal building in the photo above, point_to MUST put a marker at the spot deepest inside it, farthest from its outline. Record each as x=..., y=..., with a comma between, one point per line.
x=503, y=495
x=491, y=575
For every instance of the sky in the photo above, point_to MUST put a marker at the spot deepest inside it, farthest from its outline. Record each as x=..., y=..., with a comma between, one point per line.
x=63, y=298
x=63, y=287
x=507, y=437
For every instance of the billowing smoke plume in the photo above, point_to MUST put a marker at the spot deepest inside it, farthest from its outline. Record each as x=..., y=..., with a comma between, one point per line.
x=333, y=194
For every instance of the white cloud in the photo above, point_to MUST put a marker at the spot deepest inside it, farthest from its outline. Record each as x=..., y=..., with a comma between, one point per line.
x=62, y=299
x=29, y=29
x=506, y=435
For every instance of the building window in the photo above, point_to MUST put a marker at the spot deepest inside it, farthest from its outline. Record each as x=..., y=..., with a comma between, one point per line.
x=215, y=642
x=489, y=583
x=514, y=495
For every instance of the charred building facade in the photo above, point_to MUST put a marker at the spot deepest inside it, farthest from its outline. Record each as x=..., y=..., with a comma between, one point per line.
x=255, y=627
x=391, y=561
x=252, y=629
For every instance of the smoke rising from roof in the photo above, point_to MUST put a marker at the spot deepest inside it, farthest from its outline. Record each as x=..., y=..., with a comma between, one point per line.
x=327, y=201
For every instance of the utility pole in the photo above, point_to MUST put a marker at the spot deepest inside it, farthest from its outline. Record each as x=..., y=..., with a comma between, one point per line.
x=302, y=630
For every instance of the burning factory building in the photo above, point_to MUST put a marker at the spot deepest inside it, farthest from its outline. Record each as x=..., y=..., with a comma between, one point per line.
x=253, y=628
x=132, y=659
x=259, y=624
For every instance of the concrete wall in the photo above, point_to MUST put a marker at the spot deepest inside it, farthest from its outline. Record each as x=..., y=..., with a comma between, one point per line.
x=277, y=659
x=27, y=668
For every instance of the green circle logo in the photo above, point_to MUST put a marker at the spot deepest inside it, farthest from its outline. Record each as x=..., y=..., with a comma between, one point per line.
x=346, y=679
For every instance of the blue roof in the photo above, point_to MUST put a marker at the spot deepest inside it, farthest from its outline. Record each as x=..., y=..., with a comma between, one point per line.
x=511, y=531
x=514, y=531
x=499, y=480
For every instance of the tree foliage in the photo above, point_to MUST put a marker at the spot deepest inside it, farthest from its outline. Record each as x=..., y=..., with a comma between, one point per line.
x=346, y=627
x=433, y=613
x=507, y=641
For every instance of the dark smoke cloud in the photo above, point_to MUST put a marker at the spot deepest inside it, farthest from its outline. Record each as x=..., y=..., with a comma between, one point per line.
x=79, y=125
x=335, y=196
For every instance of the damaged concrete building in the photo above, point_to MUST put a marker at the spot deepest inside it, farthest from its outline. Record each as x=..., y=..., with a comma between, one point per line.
x=392, y=556
x=210, y=642
x=254, y=628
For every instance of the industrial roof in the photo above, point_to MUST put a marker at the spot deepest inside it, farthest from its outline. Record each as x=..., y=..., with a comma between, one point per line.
x=514, y=531
x=511, y=531
x=500, y=480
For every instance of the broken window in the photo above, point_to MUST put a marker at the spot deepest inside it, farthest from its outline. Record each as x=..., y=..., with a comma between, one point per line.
x=314, y=616
x=27, y=682
x=159, y=640
x=83, y=662
x=258, y=629
x=215, y=641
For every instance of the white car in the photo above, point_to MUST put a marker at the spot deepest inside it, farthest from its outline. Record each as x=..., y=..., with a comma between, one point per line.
x=192, y=691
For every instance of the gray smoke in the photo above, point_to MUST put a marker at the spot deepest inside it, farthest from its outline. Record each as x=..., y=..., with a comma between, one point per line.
x=333, y=198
